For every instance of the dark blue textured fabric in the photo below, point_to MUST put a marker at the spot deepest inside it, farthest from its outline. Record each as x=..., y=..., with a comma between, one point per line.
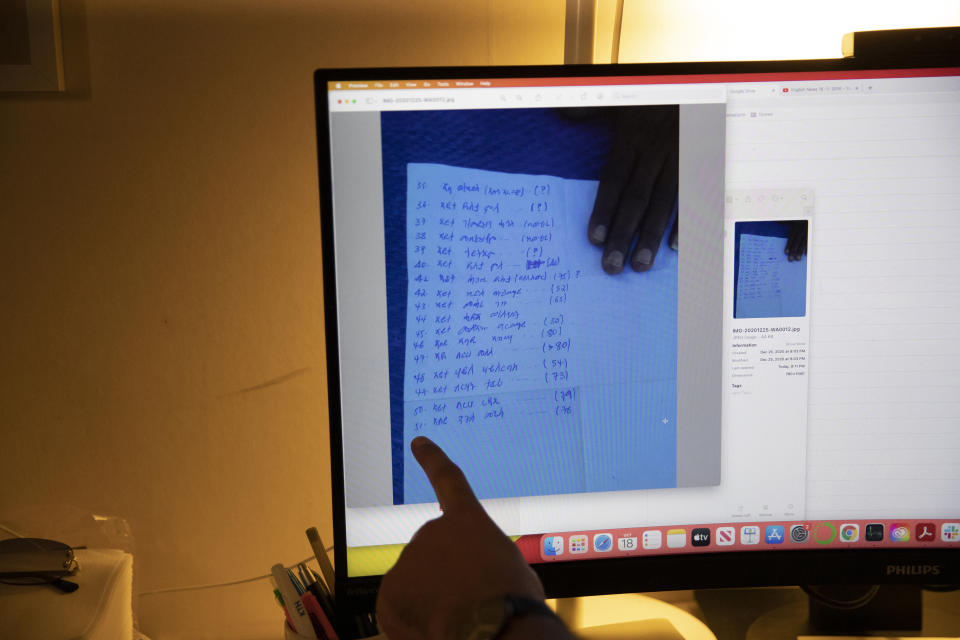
x=533, y=141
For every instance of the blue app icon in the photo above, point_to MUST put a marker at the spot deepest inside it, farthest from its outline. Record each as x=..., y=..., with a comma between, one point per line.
x=602, y=542
x=774, y=534
x=553, y=546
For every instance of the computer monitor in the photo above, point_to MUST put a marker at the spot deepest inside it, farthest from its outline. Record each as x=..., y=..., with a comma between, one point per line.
x=681, y=325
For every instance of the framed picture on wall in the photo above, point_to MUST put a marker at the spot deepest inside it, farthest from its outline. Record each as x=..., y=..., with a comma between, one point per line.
x=30, y=52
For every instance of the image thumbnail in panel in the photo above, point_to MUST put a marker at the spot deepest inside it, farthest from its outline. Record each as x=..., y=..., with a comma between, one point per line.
x=770, y=269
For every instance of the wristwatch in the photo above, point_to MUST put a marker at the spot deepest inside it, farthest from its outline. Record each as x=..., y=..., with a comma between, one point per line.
x=488, y=619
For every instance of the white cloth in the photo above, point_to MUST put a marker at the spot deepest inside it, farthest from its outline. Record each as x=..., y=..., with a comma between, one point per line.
x=101, y=609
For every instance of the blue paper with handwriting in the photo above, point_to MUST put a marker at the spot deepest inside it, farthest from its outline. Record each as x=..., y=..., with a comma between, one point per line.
x=537, y=372
x=769, y=285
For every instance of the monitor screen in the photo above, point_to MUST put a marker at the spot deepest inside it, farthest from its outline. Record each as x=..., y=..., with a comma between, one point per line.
x=674, y=314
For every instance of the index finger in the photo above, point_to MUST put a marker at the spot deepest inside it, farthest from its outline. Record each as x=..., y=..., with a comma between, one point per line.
x=451, y=486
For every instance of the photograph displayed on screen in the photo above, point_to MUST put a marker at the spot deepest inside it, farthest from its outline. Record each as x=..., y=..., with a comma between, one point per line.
x=770, y=269
x=523, y=339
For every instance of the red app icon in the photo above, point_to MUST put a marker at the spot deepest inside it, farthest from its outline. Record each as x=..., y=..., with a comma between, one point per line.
x=926, y=532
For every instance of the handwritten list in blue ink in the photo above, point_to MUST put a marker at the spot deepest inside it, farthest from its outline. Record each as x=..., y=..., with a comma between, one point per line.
x=768, y=285
x=523, y=360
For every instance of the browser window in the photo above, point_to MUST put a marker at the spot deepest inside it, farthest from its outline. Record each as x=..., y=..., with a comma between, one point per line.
x=787, y=376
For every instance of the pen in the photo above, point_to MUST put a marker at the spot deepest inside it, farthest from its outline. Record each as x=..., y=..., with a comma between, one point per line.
x=322, y=559
x=276, y=594
x=305, y=577
x=321, y=586
x=316, y=578
x=315, y=586
x=296, y=582
x=319, y=617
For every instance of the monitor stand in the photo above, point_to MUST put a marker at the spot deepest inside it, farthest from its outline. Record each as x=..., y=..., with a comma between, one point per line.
x=786, y=613
x=868, y=610
x=891, y=607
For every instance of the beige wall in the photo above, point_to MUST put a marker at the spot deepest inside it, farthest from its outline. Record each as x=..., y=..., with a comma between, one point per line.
x=160, y=265
x=673, y=30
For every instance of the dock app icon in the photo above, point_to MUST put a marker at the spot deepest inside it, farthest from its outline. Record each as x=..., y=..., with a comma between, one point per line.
x=799, y=533
x=849, y=532
x=553, y=546
x=676, y=538
x=950, y=531
x=926, y=532
x=900, y=532
x=652, y=539
x=602, y=542
x=773, y=534
x=726, y=536
x=578, y=544
x=700, y=537
x=627, y=543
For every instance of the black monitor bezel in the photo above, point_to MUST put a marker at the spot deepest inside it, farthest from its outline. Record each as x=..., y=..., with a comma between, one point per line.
x=937, y=566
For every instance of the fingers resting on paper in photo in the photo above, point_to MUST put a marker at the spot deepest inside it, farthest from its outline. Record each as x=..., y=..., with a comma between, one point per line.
x=796, y=240
x=637, y=194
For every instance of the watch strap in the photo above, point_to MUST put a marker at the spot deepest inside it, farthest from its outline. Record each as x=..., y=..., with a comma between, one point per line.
x=487, y=620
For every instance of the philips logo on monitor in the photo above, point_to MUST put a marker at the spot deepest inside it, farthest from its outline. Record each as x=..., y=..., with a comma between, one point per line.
x=913, y=569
